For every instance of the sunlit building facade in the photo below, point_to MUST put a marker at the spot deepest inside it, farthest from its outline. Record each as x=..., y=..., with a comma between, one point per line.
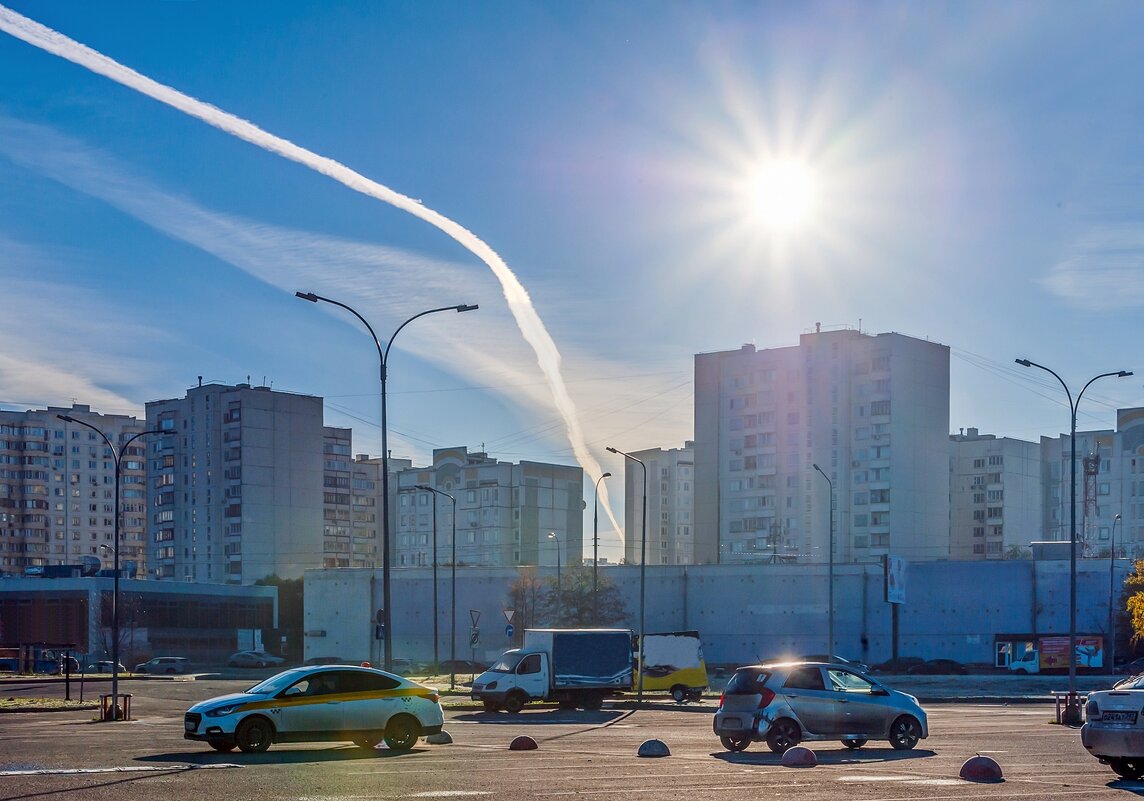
x=507, y=514
x=670, y=486
x=57, y=490
x=872, y=411
x=994, y=496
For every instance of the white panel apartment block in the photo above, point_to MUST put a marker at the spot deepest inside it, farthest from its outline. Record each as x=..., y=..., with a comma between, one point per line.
x=871, y=411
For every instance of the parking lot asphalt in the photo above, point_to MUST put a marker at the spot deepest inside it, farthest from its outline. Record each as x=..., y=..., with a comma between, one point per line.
x=584, y=754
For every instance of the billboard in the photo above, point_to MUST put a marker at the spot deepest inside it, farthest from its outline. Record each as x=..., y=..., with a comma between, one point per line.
x=895, y=579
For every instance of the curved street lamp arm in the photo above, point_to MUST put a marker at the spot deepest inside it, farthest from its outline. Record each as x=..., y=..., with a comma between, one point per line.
x=313, y=298
x=458, y=308
x=1072, y=406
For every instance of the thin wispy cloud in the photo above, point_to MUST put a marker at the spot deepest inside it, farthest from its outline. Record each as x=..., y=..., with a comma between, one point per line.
x=631, y=406
x=1103, y=270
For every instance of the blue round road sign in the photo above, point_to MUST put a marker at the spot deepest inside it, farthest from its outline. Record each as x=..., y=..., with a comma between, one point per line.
x=508, y=630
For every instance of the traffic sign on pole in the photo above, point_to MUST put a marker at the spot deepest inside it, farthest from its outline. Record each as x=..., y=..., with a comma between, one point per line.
x=508, y=631
x=474, y=636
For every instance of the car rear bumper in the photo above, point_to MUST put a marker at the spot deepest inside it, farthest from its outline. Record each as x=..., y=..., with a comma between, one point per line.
x=1107, y=741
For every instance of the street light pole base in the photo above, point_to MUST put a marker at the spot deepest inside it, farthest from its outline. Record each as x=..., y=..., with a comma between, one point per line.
x=1072, y=714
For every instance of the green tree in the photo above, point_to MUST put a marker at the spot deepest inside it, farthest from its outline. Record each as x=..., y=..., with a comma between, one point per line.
x=571, y=605
x=527, y=597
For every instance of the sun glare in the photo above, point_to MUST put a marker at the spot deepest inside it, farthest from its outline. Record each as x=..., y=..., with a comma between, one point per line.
x=783, y=194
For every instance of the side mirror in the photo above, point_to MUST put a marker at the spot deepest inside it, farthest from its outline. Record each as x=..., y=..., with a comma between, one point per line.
x=879, y=691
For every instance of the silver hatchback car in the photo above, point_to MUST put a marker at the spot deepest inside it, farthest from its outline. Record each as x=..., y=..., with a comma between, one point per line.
x=785, y=703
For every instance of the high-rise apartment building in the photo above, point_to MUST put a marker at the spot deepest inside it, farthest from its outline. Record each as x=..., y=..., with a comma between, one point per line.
x=670, y=485
x=1109, y=487
x=994, y=496
x=530, y=513
x=235, y=493
x=57, y=490
x=872, y=411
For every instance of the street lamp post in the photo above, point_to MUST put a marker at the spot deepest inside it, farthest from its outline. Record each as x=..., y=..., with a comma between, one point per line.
x=552, y=536
x=830, y=572
x=1072, y=715
x=453, y=586
x=383, y=357
x=436, y=656
x=596, y=552
x=117, y=457
x=643, y=569
x=1111, y=649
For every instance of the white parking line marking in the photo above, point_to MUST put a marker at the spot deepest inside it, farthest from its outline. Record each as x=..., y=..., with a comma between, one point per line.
x=130, y=769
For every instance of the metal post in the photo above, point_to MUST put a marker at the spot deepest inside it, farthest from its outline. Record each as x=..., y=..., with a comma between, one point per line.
x=453, y=588
x=643, y=572
x=436, y=655
x=596, y=552
x=1111, y=649
x=830, y=572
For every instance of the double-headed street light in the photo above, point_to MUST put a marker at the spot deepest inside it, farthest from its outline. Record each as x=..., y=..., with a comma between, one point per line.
x=1072, y=715
x=643, y=568
x=383, y=356
x=596, y=552
x=830, y=572
x=117, y=456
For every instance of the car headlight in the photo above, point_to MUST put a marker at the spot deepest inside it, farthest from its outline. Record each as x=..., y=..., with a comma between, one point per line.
x=219, y=711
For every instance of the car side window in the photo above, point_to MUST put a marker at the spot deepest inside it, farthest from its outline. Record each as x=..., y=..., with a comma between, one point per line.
x=362, y=682
x=807, y=678
x=530, y=664
x=846, y=682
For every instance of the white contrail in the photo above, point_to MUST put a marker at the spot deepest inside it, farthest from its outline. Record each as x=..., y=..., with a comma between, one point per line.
x=529, y=322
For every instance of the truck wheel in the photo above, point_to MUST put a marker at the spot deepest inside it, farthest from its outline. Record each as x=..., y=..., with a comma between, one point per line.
x=593, y=701
x=514, y=702
x=679, y=693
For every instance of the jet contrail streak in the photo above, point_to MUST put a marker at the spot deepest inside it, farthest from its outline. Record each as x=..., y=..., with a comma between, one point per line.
x=529, y=322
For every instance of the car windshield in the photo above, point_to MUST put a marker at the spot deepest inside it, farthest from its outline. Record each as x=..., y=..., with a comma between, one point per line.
x=274, y=684
x=508, y=662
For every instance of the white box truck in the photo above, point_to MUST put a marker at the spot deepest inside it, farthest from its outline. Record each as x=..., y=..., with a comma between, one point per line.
x=574, y=667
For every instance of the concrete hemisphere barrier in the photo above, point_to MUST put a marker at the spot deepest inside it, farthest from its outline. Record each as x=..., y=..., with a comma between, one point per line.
x=799, y=756
x=653, y=748
x=522, y=743
x=981, y=769
x=440, y=738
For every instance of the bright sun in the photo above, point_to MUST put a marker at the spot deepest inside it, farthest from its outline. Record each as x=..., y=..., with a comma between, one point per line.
x=783, y=194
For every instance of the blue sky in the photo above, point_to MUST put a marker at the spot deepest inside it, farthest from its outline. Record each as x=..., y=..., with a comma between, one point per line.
x=977, y=173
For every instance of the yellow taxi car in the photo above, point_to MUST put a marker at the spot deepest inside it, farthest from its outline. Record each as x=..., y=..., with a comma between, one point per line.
x=310, y=704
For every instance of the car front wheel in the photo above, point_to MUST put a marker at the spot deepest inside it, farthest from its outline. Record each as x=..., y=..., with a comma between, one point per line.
x=904, y=733
x=401, y=733
x=1127, y=768
x=784, y=734
x=254, y=735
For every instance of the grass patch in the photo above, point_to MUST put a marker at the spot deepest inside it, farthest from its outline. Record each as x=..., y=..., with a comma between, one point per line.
x=44, y=705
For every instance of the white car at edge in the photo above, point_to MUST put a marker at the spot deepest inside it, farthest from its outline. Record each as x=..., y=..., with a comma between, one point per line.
x=312, y=704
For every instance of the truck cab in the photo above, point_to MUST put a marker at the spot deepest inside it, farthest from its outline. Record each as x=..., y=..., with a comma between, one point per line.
x=1028, y=661
x=518, y=677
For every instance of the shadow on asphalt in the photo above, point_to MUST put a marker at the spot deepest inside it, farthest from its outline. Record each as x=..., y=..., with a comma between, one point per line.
x=546, y=716
x=843, y=756
x=1127, y=786
x=338, y=753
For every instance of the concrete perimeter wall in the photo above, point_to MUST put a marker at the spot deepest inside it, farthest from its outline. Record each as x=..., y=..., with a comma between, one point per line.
x=743, y=612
